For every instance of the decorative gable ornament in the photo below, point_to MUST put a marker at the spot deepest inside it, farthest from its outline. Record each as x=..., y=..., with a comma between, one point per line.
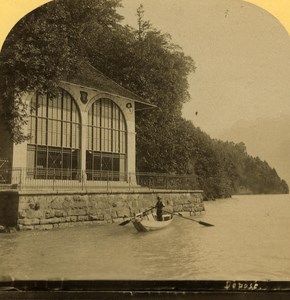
x=129, y=106
x=84, y=97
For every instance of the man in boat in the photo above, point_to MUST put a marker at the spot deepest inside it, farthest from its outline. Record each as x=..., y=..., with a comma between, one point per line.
x=159, y=207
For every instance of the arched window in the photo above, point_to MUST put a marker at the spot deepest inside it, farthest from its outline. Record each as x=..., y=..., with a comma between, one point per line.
x=53, y=150
x=107, y=143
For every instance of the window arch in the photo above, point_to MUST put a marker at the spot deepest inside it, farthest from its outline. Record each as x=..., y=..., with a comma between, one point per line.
x=54, y=145
x=106, y=155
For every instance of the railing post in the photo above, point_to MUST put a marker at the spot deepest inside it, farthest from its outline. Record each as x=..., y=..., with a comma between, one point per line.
x=107, y=182
x=53, y=182
x=82, y=179
x=20, y=179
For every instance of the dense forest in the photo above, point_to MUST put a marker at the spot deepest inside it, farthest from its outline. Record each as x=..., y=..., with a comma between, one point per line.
x=47, y=45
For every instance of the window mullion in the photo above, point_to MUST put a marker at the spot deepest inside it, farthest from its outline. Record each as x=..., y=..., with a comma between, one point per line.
x=101, y=117
x=112, y=137
x=71, y=108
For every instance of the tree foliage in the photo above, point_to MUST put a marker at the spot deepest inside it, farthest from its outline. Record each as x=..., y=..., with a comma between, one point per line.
x=47, y=44
x=43, y=47
x=148, y=63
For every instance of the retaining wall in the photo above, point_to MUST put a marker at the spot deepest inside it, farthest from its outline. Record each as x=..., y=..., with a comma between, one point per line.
x=25, y=210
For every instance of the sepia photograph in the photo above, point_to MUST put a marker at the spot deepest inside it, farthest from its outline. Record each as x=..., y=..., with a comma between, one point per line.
x=145, y=146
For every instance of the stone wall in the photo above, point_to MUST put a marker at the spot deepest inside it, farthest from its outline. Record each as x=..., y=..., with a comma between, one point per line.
x=48, y=211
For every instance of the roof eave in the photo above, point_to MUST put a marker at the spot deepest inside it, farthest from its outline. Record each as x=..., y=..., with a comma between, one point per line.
x=140, y=105
x=138, y=102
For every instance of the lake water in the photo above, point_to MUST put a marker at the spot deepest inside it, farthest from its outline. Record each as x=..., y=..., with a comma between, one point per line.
x=250, y=241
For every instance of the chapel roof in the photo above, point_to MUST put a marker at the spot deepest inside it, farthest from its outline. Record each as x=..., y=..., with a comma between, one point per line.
x=88, y=76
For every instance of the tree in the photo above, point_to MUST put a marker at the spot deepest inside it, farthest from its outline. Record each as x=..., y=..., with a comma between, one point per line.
x=43, y=47
x=149, y=64
x=143, y=26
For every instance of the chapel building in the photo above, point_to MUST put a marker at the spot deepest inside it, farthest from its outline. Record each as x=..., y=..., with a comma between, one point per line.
x=83, y=135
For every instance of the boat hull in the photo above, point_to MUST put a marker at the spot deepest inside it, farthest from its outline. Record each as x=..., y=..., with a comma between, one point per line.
x=149, y=223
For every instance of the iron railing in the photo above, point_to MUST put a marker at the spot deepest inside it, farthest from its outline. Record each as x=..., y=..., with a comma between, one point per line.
x=64, y=179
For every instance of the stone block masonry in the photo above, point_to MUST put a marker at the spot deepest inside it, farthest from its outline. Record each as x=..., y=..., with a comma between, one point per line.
x=36, y=210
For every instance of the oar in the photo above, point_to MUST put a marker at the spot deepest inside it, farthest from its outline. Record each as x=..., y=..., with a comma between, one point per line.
x=181, y=216
x=128, y=221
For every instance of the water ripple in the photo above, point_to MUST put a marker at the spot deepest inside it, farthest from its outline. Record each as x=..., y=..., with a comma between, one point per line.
x=248, y=242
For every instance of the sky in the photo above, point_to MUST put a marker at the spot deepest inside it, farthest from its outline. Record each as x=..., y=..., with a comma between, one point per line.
x=241, y=52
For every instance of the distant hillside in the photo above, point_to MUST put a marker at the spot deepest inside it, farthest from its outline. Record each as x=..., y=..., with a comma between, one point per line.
x=269, y=139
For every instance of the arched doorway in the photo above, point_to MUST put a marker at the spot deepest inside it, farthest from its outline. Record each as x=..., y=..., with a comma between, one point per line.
x=53, y=150
x=106, y=155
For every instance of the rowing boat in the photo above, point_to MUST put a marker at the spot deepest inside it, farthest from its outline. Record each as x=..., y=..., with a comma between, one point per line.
x=148, y=222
